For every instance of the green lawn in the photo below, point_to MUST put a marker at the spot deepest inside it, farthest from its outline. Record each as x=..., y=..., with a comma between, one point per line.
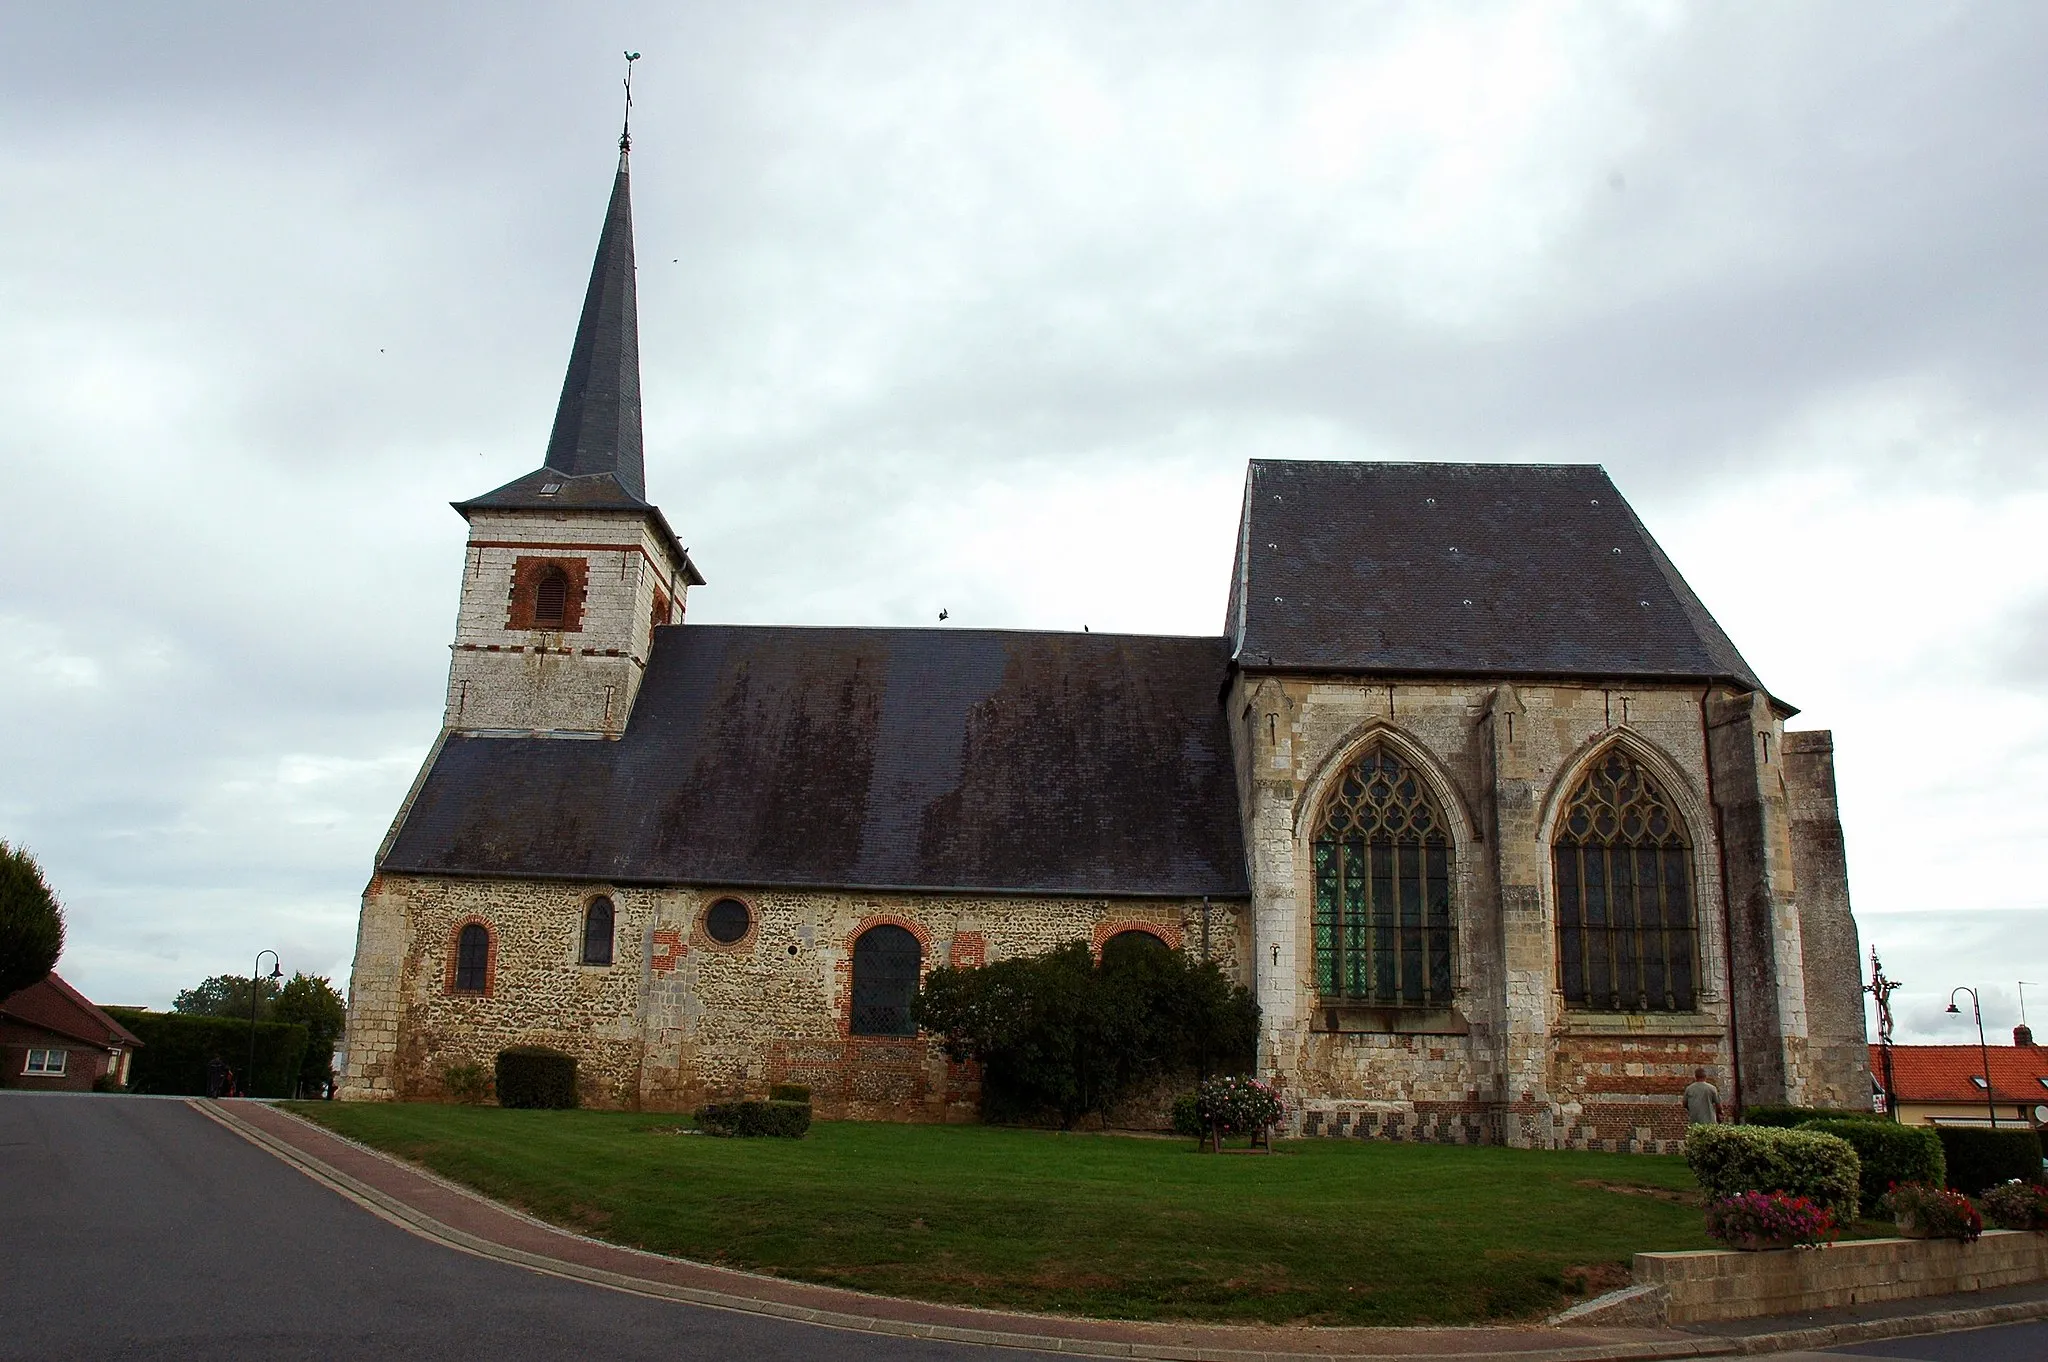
x=1323, y=1232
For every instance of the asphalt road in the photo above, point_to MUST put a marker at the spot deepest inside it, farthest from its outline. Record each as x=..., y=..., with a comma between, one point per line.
x=135, y=1228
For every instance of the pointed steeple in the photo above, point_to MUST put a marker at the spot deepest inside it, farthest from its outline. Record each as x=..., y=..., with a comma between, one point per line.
x=597, y=422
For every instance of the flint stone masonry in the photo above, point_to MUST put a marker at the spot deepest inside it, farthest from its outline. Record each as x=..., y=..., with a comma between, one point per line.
x=679, y=1019
x=1711, y=1286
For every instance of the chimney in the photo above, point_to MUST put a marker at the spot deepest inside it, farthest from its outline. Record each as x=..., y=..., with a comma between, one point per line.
x=2023, y=1034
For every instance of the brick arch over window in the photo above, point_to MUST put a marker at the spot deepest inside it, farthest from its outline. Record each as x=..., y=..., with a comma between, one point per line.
x=1381, y=852
x=1105, y=932
x=1627, y=905
x=887, y=964
x=472, y=958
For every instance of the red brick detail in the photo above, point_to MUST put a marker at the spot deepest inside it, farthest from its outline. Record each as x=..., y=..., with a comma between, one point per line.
x=842, y=971
x=669, y=949
x=526, y=577
x=969, y=950
x=1105, y=930
x=704, y=940
x=659, y=615
x=490, y=960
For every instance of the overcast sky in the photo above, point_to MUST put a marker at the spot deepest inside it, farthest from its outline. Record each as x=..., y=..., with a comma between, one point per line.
x=984, y=308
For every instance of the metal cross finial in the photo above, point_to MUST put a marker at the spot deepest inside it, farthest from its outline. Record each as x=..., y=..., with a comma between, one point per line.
x=626, y=129
x=1882, y=989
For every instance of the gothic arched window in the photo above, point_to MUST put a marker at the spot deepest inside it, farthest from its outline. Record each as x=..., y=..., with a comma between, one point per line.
x=886, y=962
x=1626, y=935
x=597, y=932
x=1383, y=888
x=473, y=959
x=551, y=599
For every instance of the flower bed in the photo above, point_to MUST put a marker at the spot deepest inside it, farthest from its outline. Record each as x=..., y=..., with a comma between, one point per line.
x=1769, y=1220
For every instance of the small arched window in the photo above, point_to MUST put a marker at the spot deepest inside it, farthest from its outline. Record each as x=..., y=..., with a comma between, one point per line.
x=1382, y=856
x=886, y=963
x=1131, y=941
x=473, y=959
x=597, y=932
x=551, y=599
x=1626, y=935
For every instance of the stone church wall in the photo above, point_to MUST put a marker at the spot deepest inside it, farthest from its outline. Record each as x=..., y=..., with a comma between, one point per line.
x=1831, y=957
x=678, y=1018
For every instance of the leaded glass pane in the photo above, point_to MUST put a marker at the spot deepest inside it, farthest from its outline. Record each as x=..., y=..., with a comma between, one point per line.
x=1382, y=863
x=1625, y=929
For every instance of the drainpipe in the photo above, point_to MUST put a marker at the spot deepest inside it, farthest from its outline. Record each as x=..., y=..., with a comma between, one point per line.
x=1727, y=918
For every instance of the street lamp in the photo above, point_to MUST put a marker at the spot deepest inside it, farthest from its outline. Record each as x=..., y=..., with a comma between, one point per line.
x=256, y=977
x=1984, y=1050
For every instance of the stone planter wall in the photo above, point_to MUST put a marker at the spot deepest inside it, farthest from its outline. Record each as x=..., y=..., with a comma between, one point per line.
x=1724, y=1285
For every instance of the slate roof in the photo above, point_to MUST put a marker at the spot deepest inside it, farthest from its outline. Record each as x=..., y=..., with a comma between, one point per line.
x=60, y=1009
x=1942, y=1073
x=923, y=759
x=1466, y=569
x=597, y=422
x=590, y=492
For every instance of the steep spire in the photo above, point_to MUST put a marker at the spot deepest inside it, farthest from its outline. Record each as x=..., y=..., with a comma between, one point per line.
x=597, y=423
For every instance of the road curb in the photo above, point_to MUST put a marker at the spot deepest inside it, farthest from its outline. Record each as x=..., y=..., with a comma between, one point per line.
x=395, y=1211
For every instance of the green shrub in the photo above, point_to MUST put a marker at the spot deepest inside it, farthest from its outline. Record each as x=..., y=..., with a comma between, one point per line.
x=1187, y=1115
x=1890, y=1154
x=1791, y=1117
x=1924, y=1212
x=783, y=1120
x=789, y=1092
x=467, y=1081
x=1980, y=1157
x=535, y=1076
x=1730, y=1160
x=176, y=1047
x=1237, y=1106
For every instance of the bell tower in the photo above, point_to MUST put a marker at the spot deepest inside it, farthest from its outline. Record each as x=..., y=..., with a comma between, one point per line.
x=570, y=568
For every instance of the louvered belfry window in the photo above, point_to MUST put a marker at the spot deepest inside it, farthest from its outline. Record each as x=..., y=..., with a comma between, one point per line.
x=1627, y=939
x=1382, y=856
x=551, y=599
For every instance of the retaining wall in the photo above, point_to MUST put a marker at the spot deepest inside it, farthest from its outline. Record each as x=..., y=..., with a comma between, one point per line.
x=1721, y=1285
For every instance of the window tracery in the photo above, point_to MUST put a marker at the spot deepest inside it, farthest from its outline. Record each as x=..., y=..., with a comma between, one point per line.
x=1627, y=936
x=1382, y=858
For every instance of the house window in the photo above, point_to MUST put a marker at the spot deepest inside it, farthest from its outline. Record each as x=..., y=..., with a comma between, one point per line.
x=1626, y=936
x=1382, y=858
x=473, y=958
x=49, y=1063
x=597, y=932
x=886, y=963
x=551, y=599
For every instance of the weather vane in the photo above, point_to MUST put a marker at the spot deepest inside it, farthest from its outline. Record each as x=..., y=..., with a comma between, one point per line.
x=626, y=129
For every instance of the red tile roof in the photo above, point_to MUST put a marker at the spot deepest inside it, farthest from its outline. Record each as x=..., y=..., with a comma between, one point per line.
x=1942, y=1073
x=56, y=1006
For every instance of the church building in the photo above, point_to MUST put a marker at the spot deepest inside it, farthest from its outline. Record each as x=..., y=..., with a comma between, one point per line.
x=1470, y=790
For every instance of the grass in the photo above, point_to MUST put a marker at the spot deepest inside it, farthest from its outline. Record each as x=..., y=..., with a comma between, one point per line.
x=1323, y=1232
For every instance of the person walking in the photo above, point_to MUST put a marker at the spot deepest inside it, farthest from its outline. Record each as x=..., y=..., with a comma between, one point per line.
x=1702, y=1101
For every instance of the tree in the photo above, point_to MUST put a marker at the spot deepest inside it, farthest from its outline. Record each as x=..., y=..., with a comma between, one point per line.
x=311, y=1001
x=226, y=995
x=31, y=922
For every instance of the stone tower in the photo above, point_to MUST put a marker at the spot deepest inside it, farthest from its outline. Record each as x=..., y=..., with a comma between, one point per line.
x=570, y=568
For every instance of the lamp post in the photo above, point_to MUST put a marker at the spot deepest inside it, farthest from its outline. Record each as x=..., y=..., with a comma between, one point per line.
x=256, y=977
x=1990, y=1104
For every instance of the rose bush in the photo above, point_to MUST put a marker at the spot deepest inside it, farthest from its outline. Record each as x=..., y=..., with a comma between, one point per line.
x=1237, y=1105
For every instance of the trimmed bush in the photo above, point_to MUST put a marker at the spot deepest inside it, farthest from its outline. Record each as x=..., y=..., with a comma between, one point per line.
x=535, y=1076
x=1187, y=1116
x=789, y=1092
x=1730, y=1160
x=782, y=1120
x=1889, y=1153
x=176, y=1047
x=1980, y=1157
x=1789, y=1118
x=467, y=1081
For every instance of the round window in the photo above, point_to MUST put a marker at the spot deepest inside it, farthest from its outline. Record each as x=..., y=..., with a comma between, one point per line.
x=727, y=921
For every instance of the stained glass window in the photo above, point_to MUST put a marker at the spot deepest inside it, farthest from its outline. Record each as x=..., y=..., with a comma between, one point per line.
x=1382, y=856
x=1626, y=936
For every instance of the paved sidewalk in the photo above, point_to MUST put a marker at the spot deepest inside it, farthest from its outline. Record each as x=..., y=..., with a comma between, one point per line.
x=451, y=1215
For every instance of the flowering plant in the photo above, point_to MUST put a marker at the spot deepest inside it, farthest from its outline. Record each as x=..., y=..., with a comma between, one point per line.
x=1753, y=1220
x=2016, y=1205
x=1924, y=1212
x=1237, y=1105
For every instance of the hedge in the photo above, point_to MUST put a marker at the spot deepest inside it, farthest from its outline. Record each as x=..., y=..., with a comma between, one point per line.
x=1890, y=1153
x=1980, y=1157
x=1730, y=1160
x=535, y=1076
x=785, y=1120
x=1790, y=1117
x=176, y=1046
